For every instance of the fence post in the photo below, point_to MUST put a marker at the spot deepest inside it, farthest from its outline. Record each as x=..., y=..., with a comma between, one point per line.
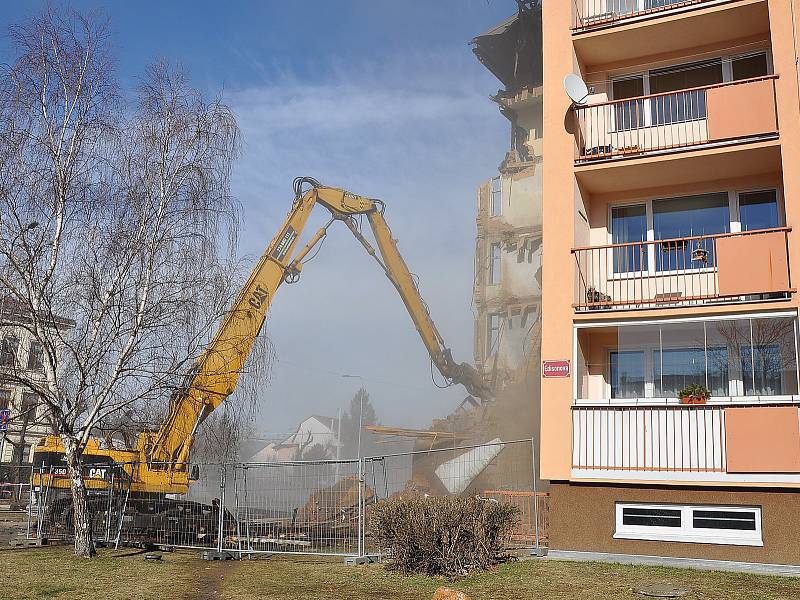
x=361, y=507
x=30, y=501
x=124, y=508
x=42, y=506
x=108, y=508
x=221, y=516
x=535, y=498
x=247, y=512
x=237, y=513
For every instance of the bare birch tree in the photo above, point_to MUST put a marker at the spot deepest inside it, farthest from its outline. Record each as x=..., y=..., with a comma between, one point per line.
x=115, y=217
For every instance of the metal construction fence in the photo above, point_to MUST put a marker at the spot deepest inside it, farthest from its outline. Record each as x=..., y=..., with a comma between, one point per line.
x=14, y=485
x=319, y=507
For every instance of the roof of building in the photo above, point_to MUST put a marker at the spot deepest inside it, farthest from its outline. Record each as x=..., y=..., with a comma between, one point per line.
x=512, y=50
x=329, y=422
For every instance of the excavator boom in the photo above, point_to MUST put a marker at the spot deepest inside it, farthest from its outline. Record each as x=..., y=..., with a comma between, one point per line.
x=163, y=456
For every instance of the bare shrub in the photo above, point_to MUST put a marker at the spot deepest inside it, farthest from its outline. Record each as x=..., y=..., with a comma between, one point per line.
x=448, y=536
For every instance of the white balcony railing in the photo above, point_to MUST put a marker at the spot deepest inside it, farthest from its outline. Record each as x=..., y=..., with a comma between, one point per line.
x=726, y=112
x=669, y=438
x=603, y=13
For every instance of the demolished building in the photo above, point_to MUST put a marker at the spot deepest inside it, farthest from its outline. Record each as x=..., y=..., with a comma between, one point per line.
x=507, y=289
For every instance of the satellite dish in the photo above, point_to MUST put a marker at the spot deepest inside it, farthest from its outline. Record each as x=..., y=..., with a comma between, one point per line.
x=576, y=89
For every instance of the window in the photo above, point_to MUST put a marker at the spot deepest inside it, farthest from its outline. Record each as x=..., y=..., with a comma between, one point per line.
x=733, y=525
x=492, y=333
x=657, y=360
x=495, y=268
x=30, y=402
x=758, y=210
x=5, y=399
x=496, y=197
x=670, y=104
x=627, y=374
x=748, y=66
x=765, y=379
x=629, y=224
x=675, y=368
x=627, y=7
x=35, y=356
x=686, y=217
x=681, y=106
x=671, y=220
x=8, y=351
x=629, y=115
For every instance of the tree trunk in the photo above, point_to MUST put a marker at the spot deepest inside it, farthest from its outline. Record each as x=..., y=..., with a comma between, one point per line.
x=81, y=518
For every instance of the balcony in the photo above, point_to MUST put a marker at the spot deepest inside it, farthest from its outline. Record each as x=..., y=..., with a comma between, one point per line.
x=591, y=14
x=725, y=444
x=701, y=117
x=687, y=271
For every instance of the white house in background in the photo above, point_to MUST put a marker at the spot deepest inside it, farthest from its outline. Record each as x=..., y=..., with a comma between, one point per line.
x=315, y=430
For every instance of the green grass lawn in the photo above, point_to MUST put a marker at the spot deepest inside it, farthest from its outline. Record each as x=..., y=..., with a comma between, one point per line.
x=125, y=574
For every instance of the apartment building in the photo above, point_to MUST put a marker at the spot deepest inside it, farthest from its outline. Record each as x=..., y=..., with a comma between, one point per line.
x=671, y=197
x=508, y=251
x=20, y=356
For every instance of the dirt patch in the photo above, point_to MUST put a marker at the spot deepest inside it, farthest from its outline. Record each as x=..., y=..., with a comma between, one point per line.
x=12, y=525
x=209, y=579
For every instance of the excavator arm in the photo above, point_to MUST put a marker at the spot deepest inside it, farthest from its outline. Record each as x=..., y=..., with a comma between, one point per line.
x=217, y=371
x=398, y=273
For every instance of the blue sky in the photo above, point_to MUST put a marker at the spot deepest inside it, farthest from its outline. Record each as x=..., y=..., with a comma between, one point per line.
x=383, y=98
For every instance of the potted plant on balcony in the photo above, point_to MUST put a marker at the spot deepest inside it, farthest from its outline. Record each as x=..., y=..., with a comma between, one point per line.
x=694, y=394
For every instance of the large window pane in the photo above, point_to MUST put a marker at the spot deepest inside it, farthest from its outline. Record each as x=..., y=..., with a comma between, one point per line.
x=685, y=217
x=630, y=371
x=769, y=363
x=758, y=210
x=681, y=360
x=627, y=374
x=629, y=224
x=728, y=338
x=717, y=373
x=675, y=368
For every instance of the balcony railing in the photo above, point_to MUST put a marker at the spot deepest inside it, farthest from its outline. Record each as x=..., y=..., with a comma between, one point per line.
x=666, y=438
x=603, y=13
x=731, y=267
x=727, y=112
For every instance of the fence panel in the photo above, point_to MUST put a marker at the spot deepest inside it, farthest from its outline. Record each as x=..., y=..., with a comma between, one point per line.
x=303, y=507
x=498, y=471
x=298, y=507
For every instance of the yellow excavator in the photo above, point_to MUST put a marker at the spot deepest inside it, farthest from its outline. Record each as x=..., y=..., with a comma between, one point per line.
x=159, y=462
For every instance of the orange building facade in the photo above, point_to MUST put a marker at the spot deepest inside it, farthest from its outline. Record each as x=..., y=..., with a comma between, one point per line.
x=670, y=223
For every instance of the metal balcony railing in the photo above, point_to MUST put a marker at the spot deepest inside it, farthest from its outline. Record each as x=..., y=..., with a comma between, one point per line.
x=603, y=13
x=665, y=438
x=683, y=271
x=726, y=112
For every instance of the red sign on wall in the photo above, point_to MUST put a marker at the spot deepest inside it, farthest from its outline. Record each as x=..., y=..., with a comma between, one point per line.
x=555, y=368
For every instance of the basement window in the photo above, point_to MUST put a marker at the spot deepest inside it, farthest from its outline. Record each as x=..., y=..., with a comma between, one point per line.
x=731, y=525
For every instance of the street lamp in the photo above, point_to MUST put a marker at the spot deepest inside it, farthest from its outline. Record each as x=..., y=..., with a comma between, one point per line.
x=360, y=411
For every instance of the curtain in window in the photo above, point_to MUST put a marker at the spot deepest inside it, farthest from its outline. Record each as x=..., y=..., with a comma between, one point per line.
x=627, y=374
x=629, y=224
